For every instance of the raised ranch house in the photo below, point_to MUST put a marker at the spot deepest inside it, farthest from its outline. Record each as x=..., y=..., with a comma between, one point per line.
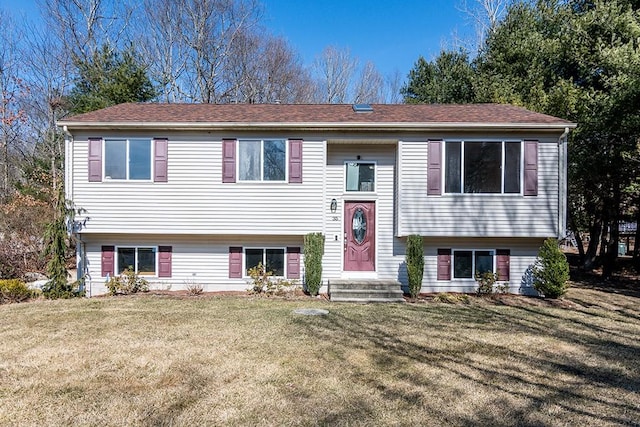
x=192, y=193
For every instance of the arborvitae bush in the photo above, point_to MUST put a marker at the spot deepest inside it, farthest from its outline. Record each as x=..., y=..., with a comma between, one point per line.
x=551, y=270
x=313, y=251
x=415, y=264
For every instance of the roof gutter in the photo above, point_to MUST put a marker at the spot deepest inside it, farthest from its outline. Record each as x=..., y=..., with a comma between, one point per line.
x=325, y=126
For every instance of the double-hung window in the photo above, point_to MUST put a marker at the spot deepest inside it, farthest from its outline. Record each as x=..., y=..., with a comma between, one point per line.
x=139, y=259
x=262, y=160
x=483, y=167
x=127, y=159
x=469, y=263
x=273, y=260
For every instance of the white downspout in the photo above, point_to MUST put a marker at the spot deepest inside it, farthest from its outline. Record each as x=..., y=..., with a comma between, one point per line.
x=562, y=183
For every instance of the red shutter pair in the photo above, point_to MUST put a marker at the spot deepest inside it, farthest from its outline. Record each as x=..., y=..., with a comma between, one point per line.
x=160, y=159
x=229, y=161
x=434, y=168
x=503, y=264
x=235, y=262
x=164, y=261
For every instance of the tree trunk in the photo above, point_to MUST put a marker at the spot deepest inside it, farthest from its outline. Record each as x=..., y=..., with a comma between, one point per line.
x=579, y=243
x=609, y=261
x=636, y=242
x=594, y=238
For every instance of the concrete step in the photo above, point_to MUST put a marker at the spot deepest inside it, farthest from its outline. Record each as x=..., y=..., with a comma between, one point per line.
x=365, y=290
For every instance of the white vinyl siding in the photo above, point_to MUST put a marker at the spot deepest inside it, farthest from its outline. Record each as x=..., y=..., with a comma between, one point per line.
x=195, y=200
x=195, y=259
x=476, y=215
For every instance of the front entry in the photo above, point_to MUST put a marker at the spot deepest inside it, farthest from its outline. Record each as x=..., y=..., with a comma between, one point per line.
x=360, y=236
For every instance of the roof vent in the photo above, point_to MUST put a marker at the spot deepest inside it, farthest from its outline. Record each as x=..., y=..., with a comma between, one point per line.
x=362, y=108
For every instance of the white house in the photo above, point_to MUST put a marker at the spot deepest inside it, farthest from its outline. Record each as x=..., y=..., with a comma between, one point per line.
x=193, y=193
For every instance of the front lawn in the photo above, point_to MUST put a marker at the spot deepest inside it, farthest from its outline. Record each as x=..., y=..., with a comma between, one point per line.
x=232, y=360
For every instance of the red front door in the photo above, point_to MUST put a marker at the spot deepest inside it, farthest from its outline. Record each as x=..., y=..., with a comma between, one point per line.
x=360, y=236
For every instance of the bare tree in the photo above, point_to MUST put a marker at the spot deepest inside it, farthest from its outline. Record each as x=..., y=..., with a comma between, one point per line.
x=12, y=115
x=393, y=84
x=264, y=69
x=334, y=69
x=85, y=25
x=484, y=16
x=370, y=86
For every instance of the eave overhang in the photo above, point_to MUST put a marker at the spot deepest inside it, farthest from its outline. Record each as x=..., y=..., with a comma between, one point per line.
x=314, y=126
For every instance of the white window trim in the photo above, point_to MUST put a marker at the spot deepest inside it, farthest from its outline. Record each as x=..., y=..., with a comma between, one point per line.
x=502, y=159
x=127, y=179
x=264, y=259
x=262, y=180
x=117, y=261
x=473, y=261
x=375, y=178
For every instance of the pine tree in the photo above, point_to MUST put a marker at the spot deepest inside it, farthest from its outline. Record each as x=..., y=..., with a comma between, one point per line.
x=551, y=270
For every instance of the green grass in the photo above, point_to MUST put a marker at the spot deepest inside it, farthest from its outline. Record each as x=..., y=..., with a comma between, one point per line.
x=157, y=360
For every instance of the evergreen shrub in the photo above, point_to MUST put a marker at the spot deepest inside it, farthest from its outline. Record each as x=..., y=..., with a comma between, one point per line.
x=551, y=270
x=415, y=264
x=313, y=251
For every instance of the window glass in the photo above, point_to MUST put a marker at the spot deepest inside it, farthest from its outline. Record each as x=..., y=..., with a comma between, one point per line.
x=115, y=159
x=139, y=159
x=146, y=261
x=360, y=176
x=253, y=257
x=463, y=264
x=482, y=167
x=275, y=159
x=126, y=259
x=249, y=160
x=453, y=159
x=484, y=261
x=275, y=261
x=512, y=167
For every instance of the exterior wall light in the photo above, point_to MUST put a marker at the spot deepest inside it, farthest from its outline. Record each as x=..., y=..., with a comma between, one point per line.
x=334, y=205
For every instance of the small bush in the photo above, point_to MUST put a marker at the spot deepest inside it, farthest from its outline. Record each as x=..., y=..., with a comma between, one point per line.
x=14, y=290
x=313, y=251
x=127, y=283
x=551, y=270
x=262, y=282
x=194, y=288
x=415, y=264
x=486, y=281
x=451, y=298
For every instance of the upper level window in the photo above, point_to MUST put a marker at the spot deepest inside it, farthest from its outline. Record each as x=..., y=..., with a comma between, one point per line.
x=482, y=167
x=262, y=160
x=360, y=176
x=127, y=159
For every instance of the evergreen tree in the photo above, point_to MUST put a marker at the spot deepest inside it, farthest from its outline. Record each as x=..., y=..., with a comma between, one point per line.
x=551, y=270
x=108, y=78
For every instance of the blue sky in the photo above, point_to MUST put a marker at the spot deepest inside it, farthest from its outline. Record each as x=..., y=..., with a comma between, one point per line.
x=391, y=34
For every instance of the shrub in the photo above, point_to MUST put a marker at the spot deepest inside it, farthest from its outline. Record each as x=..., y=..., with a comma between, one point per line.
x=551, y=270
x=486, y=281
x=415, y=264
x=313, y=251
x=14, y=290
x=129, y=282
x=262, y=282
x=194, y=288
x=451, y=298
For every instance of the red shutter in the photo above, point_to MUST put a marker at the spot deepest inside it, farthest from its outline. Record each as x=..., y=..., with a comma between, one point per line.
x=235, y=262
x=444, y=264
x=161, y=150
x=108, y=260
x=293, y=263
x=95, y=159
x=164, y=261
x=531, y=168
x=434, y=168
x=295, y=160
x=502, y=264
x=228, y=160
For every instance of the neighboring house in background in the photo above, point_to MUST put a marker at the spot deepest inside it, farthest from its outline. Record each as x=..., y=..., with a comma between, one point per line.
x=200, y=193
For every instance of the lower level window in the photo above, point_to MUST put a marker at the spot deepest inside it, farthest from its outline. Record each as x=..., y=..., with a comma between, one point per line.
x=468, y=263
x=271, y=259
x=140, y=260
